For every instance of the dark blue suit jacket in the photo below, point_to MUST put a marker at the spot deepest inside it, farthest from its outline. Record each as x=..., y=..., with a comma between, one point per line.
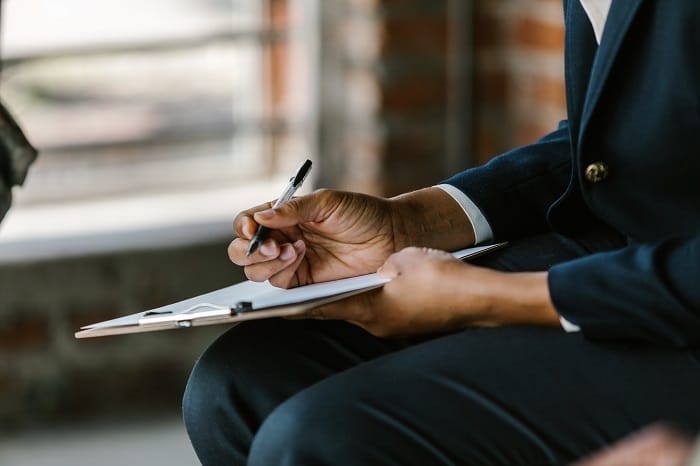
x=633, y=104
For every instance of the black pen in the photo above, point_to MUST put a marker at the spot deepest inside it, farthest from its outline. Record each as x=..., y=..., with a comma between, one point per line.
x=295, y=183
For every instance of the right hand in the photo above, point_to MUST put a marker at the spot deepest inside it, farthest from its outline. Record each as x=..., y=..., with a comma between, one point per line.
x=323, y=236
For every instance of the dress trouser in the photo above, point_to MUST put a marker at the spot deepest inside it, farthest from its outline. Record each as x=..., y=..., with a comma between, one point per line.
x=277, y=392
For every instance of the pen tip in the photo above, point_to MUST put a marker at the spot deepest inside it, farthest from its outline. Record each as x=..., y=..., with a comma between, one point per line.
x=252, y=248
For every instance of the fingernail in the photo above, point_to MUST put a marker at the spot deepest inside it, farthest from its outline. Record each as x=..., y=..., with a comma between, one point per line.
x=287, y=252
x=267, y=249
x=299, y=246
x=249, y=229
x=265, y=214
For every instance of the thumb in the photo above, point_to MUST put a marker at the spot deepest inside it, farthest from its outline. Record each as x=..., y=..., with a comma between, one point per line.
x=314, y=207
x=392, y=268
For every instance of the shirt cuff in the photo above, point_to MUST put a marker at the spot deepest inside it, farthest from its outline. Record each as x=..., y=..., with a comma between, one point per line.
x=568, y=326
x=482, y=229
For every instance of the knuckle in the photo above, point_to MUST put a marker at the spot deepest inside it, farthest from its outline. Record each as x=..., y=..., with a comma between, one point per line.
x=240, y=222
x=324, y=195
x=255, y=274
x=322, y=192
x=280, y=281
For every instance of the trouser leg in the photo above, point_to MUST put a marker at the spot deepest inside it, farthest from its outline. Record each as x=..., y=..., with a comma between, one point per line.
x=497, y=397
x=253, y=368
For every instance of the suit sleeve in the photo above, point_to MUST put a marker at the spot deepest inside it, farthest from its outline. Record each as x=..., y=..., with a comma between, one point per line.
x=515, y=190
x=648, y=292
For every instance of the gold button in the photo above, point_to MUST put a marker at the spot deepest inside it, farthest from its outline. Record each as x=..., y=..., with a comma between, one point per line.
x=597, y=172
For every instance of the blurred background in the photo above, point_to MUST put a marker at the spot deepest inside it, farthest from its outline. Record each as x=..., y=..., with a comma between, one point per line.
x=157, y=121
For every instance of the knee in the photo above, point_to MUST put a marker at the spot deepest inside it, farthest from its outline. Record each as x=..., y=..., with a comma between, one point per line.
x=205, y=390
x=296, y=432
x=216, y=409
x=327, y=423
x=201, y=399
x=205, y=408
x=230, y=364
x=232, y=388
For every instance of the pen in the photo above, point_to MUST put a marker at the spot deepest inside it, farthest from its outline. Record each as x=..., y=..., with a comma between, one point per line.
x=295, y=183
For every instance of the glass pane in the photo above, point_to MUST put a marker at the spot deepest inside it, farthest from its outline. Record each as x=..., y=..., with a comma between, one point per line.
x=131, y=95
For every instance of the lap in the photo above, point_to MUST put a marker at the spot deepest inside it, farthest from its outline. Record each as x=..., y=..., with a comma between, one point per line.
x=525, y=396
x=502, y=375
x=540, y=252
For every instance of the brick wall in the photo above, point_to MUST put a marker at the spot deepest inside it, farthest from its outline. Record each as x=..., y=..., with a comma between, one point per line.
x=519, y=85
x=47, y=376
x=390, y=86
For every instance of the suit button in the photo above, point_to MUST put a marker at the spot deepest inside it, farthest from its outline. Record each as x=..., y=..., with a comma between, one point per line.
x=597, y=172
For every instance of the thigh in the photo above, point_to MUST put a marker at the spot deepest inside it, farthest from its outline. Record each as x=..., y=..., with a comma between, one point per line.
x=540, y=252
x=508, y=396
x=254, y=367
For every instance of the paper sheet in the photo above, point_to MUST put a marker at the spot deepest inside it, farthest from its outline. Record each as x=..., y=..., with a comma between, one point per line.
x=260, y=295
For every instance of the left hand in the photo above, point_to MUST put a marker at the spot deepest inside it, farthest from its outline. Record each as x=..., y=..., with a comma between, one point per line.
x=431, y=292
x=656, y=445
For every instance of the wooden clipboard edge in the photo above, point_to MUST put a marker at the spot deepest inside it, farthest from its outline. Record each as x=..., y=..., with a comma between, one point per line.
x=487, y=250
x=281, y=311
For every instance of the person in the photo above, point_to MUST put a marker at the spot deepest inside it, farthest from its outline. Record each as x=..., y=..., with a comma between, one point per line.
x=583, y=330
x=16, y=156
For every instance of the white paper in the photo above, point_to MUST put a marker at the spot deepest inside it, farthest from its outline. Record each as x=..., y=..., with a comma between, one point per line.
x=260, y=295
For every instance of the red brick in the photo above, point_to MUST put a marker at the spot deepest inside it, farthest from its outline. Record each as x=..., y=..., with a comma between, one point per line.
x=82, y=317
x=24, y=334
x=415, y=35
x=409, y=146
x=527, y=133
x=414, y=94
x=548, y=90
x=536, y=34
x=488, y=143
x=488, y=30
x=278, y=14
x=492, y=87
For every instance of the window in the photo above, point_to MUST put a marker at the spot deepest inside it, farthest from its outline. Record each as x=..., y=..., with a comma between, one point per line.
x=153, y=114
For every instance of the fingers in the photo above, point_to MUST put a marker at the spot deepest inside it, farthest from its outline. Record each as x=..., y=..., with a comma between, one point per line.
x=238, y=249
x=261, y=271
x=356, y=309
x=313, y=207
x=409, y=258
x=243, y=225
x=287, y=276
x=272, y=261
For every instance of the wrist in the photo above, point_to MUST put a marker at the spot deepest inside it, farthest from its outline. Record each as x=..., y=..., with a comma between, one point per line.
x=523, y=299
x=432, y=218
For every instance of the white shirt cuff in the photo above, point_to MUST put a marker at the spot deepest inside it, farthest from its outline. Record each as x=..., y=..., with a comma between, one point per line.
x=482, y=229
x=568, y=326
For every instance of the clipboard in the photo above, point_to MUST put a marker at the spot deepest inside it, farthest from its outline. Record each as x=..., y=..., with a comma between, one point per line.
x=248, y=301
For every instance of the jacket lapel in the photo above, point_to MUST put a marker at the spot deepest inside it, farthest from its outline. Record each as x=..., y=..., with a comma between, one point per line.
x=581, y=49
x=621, y=14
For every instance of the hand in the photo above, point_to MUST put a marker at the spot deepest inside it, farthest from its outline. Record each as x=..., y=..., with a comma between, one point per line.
x=431, y=292
x=319, y=237
x=329, y=234
x=656, y=445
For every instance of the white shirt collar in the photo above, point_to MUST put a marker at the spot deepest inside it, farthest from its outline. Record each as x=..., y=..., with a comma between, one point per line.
x=597, y=11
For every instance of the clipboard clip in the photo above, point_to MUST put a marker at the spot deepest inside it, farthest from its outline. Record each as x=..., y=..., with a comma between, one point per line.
x=241, y=307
